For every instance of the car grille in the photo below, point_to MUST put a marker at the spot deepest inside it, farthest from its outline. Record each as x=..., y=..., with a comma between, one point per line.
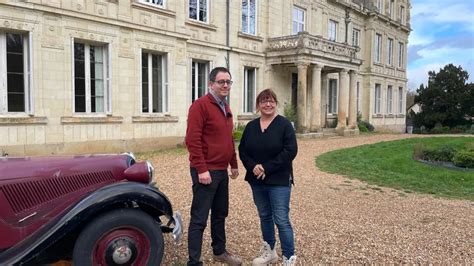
x=23, y=196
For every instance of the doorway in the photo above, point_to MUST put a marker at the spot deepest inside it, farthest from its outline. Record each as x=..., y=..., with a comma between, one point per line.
x=294, y=90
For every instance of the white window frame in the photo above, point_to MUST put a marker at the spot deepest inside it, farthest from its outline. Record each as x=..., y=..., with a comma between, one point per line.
x=389, y=99
x=195, y=82
x=106, y=77
x=391, y=5
x=249, y=30
x=27, y=74
x=300, y=24
x=249, y=108
x=198, y=3
x=332, y=30
x=401, y=15
x=390, y=51
x=378, y=48
x=164, y=75
x=401, y=52
x=377, y=98
x=333, y=99
x=355, y=37
x=400, y=100
x=154, y=3
x=380, y=6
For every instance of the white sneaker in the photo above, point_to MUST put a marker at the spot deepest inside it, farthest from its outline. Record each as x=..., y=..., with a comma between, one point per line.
x=267, y=255
x=289, y=262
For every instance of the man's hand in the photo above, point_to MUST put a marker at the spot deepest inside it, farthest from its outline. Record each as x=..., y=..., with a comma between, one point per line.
x=205, y=178
x=234, y=173
x=259, y=171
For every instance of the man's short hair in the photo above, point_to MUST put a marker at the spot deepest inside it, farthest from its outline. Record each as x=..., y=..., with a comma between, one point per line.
x=215, y=71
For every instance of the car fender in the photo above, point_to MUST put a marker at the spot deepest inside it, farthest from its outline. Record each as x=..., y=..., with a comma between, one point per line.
x=136, y=195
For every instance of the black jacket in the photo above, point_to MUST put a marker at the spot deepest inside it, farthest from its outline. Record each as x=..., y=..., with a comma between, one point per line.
x=275, y=149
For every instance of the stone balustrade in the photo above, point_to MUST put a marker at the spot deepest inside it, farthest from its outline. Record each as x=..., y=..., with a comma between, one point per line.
x=304, y=40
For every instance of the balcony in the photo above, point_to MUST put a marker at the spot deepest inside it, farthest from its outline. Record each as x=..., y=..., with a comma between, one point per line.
x=305, y=44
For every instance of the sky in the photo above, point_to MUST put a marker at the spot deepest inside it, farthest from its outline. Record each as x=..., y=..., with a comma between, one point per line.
x=442, y=33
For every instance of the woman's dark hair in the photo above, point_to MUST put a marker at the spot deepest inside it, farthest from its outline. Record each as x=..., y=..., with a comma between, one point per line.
x=267, y=94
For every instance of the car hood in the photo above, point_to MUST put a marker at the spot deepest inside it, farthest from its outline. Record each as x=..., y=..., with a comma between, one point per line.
x=57, y=166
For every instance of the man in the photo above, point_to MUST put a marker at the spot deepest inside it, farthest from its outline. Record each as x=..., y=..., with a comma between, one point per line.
x=211, y=149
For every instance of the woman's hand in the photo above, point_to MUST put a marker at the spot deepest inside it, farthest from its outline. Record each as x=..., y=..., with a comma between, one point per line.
x=259, y=171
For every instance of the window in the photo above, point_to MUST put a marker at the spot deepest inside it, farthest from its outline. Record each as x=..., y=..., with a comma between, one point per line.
x=298, y=19
x=250, y=85
x=390, y=52
x=249, y=11
x=389, y=100
x=380, y=6
x=199, y=80
x=91, y=78
x=355, y=37
x=400, y=100
x=159, y=3
x=332, y=101
x=198, y=10
x=401, y=15
x=390, y=8
x=15, y=73
x=401, y=50
x=332, y=30
x=154, y=83
x=378, y=48
x=377, y=99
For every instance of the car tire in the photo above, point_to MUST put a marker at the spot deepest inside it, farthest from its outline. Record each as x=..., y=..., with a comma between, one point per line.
x=120, y=237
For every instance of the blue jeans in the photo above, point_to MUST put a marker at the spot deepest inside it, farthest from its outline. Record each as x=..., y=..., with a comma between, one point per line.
x=273, y=205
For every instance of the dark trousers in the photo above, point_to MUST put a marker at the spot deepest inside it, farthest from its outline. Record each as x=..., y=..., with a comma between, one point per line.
x=214, y=197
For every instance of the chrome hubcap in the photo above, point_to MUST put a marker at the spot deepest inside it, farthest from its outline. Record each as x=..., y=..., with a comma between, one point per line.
x=122, y=254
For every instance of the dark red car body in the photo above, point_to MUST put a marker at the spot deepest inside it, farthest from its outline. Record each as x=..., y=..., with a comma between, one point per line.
x=45, y=202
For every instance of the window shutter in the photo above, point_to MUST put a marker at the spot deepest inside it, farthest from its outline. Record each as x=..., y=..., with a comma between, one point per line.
x=108, y=83
x=3, y=74
x=30, y=108
x=165, y=84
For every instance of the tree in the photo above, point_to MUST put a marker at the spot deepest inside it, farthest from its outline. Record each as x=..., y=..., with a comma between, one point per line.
x=447, y=100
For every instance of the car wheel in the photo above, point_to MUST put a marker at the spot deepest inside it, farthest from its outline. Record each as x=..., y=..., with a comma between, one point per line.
x=120, y=237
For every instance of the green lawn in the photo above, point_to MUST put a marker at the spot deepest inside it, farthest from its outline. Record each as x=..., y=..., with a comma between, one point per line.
x=390, y=164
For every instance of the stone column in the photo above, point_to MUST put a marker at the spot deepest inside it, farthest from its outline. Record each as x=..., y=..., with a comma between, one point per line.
x=316, y=99
x=353, y=100
x=301, y=125
x=324, y=98
x=343, y=98
x=347, y=21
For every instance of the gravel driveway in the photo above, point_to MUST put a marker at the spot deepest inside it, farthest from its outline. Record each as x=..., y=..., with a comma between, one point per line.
x=336, y=219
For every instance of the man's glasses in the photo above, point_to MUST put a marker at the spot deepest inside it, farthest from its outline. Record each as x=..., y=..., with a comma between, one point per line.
x=222, y=82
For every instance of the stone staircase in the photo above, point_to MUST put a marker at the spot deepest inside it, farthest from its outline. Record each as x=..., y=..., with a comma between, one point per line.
x=325, y=133
x=329, y=132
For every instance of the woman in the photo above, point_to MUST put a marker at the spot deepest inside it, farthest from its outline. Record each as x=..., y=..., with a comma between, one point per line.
x=267, y=149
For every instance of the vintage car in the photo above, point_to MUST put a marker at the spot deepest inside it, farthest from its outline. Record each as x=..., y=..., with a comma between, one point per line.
x=93, y=210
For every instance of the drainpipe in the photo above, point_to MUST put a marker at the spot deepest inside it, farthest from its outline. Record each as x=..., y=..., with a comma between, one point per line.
x=227, y=37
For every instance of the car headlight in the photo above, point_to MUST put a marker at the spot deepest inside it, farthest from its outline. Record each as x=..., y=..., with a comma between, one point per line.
x=130, y=158
x=140, y=172
x=151, y=171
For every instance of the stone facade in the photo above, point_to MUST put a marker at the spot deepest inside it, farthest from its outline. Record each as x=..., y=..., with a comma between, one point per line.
x=119, y=75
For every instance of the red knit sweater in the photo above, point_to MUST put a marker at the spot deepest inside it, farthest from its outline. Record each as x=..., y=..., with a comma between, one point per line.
x=209, y=136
